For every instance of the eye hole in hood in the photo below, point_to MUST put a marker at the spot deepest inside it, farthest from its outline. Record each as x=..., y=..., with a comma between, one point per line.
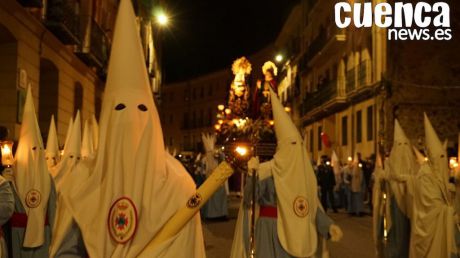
x=142, y=107
x=120, y=106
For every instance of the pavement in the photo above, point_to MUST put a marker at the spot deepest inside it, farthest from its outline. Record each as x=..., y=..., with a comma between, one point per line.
x=356, y=243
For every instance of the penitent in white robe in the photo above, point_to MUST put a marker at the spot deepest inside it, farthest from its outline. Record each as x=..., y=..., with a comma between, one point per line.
x=433, y=225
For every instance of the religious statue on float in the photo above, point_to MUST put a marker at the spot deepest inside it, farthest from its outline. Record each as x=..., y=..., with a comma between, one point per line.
x=261, y=98
x=238, y=100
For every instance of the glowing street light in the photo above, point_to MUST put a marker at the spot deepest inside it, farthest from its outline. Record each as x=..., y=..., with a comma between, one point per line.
x=162, y=19
x=279, y=58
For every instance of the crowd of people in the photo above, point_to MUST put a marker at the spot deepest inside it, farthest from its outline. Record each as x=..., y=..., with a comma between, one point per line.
x=346, y=186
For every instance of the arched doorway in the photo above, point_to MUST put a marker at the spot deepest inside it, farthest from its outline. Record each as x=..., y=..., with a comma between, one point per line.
x=9, y=105
x=48, y=95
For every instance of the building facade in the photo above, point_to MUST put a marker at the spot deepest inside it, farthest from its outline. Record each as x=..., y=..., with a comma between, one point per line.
x=61, y=50
x=350, y=84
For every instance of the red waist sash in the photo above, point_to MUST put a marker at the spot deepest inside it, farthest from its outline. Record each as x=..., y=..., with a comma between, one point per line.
x=19, y=220
x=268, y=211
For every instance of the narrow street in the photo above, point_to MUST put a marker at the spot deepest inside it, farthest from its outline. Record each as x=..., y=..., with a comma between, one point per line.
x=356, y=243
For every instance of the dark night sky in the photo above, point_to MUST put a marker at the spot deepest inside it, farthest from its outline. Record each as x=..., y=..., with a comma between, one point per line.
x=207, y=35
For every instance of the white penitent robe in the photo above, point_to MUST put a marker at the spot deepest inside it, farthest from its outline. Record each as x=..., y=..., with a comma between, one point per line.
x=133, y=187
x=433, y=225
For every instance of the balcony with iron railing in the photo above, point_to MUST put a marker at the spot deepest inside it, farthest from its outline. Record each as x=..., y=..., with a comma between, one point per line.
x=62, y=19
x=329, y=92
x=31, y=3
x=350, y=80
x=362, y=74
x=94, y=50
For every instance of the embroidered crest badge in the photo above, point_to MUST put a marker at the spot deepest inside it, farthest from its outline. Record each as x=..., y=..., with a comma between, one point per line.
x=122, y=220
x=301, y=206
x=33, y=198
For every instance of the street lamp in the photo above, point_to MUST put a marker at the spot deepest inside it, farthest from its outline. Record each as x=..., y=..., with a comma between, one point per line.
x=279, y=58
x=162, y=19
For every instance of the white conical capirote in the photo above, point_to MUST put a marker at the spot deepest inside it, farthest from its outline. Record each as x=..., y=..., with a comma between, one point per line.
x=52, y=144
x=74, y=144
x=419, y=156
x=69, y=132
x=131, y=165
x=402, y=158
x=87, y=147
x=31, y=175
x=94, y=131
x=436, y=152
x=284, y=127
x=295, y=183
x=401, y=161
x=399, y=135
x=126, y=53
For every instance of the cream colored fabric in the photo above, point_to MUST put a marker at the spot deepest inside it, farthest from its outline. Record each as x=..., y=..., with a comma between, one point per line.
x=95, y=132
x=71, y=155
x=64, y=179
x=433, y=223
x=419, y=156
x=67, y=136
x=402, y=162
x=87, y=145
x=209, y=142
x=294, y=180
x=238, y=246
x=380, y=178
x=434, y=218
x=265, y=170
x=52, y=153
x=131, y=162
x=31, y=175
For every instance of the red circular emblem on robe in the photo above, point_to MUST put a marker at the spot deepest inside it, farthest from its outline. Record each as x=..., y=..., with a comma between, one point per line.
x=301, y=206
x=122, y=220
x=33, y=198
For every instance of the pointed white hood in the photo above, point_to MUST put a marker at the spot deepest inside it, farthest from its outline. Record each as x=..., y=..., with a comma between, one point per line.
x=71, y=155
x=402, y=162
x=134, y=186
x=87, y=146
x=32, y=180
x=296, y=187
x=52, y=153
x=69, y=132
x=419, y=156
x=95, y=132
x=436, y=152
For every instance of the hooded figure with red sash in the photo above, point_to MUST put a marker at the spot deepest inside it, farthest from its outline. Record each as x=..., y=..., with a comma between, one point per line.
x=291, y=221
x=134, y=186
x=30, y=225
